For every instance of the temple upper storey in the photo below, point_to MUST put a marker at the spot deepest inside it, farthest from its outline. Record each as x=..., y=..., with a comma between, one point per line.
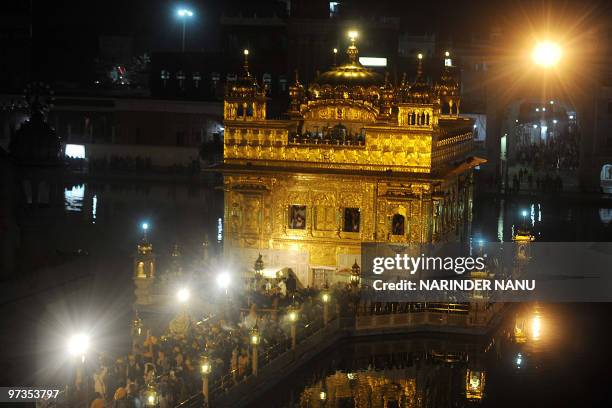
x=350, y=118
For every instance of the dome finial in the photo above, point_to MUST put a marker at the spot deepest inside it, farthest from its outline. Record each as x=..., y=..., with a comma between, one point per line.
x=352, y=50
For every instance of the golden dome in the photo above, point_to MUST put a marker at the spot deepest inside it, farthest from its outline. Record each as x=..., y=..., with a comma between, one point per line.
x=350, y=74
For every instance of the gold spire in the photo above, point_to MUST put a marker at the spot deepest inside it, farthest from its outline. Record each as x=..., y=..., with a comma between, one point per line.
x=420, y=68
x=297, y=77
x=246, y=62
x=144, y=246
x=352, y=50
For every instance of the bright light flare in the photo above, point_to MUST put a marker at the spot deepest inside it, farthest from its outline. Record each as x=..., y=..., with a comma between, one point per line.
x=353, y=34
x=546, y=54
x=536, y=327
x=145, y=226
x=183, y=295
x=223, y=280
x=78, y=345
x=184, y=13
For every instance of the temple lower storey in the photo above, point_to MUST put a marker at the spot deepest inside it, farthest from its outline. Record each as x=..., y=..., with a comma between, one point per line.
x=313, y=222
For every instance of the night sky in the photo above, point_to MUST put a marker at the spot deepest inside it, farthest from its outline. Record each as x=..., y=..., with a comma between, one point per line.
x=65, y=33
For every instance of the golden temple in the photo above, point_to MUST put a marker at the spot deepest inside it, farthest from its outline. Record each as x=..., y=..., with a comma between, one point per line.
x=357, y=159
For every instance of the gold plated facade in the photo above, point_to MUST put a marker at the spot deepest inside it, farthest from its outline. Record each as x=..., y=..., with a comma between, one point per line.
x=357, y=159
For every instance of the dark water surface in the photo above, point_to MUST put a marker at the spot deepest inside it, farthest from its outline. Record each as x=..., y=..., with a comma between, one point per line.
x=98, y=228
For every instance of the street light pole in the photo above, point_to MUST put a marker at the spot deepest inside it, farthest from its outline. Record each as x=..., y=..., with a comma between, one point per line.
x=78, y=346
x=255, y=339
x=325, y=297
x=293, y=318
x=151, y=398
x=205, y=370
x=183, y=42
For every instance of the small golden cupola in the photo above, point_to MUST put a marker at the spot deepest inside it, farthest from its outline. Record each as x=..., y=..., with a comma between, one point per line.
x=387, y=98
x=244, y=98
x=420, y=90
x=418, y=106
x=448, y=89
x=403, y=92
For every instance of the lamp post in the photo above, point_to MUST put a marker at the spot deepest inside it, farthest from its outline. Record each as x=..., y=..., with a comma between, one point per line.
x=183, y=296
x=151, y=399
x=355, y=275
x=205, y=370
x=183, y=14
x=78, y=345
x=255, y=339
x=145, y=228
x=137, y=327
x=524, y=214
x=223, y=281
x=323, y=393
x=293, y=318
x=259, y=266
x=335, y=55
x=326, y=298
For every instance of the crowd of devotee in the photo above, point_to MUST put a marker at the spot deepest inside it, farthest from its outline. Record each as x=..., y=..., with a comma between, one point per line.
x=170, y=363
x=526, y=180
x=557, y=154
x=540, y=165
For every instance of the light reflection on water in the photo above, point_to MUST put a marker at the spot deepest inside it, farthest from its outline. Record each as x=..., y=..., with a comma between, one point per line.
x=534, y=365
x=73, y=197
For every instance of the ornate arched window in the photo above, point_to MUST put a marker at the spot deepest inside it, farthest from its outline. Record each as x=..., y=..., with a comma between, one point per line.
x=140, y=271
x=398, y=222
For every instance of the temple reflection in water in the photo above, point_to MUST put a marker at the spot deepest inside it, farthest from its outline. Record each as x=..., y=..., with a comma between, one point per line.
x=356, y=159
x=419, y=370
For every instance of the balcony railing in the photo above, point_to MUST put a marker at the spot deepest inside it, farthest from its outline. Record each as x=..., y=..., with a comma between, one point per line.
x=326, y=139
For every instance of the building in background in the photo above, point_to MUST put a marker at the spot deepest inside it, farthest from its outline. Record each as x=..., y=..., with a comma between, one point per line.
x=162, y=133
